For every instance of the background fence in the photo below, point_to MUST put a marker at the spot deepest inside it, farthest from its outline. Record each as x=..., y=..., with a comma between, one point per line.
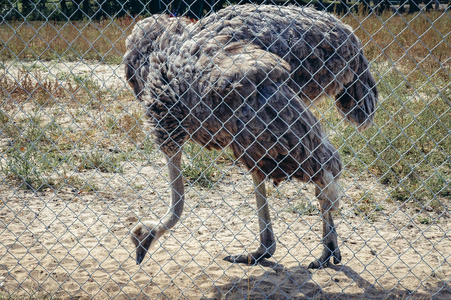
x=77, y=169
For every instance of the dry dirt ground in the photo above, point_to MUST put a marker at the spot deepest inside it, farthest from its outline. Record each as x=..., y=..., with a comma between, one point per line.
x=72, y=245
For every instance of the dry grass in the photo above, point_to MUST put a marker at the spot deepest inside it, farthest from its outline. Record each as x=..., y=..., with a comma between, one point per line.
x=49, y=128
x=70, y=115
x=421, y=39
x=35, y=40
x=419, y=43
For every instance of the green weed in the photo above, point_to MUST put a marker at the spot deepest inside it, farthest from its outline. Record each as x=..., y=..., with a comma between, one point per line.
x=99, y=160
x=79, y=185
x=34, y=152
x=202, y=166
x=147, y=146
x=29, y=154
x=302, y=207
x=367, y=207
x=424, y=220
x=24, y=166
x=4, y=120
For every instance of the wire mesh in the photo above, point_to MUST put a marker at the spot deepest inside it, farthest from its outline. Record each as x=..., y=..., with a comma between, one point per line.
x=80, y=165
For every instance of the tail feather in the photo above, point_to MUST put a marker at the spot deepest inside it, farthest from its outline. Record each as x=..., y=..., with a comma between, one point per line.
x=358, y=100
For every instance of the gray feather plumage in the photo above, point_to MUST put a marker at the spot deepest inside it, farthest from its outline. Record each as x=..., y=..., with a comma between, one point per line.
x=324, y=55
x=221, y=92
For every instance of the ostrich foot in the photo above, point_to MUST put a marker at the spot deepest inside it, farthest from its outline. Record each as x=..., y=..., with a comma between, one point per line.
x=249, y=259
x=329, y=251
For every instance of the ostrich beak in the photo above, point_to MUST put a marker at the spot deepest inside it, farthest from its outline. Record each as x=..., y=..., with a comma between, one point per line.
x=140, y=254
x=143, y=247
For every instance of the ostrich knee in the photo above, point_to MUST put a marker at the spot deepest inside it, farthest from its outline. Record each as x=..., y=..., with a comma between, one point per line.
x=329, y=194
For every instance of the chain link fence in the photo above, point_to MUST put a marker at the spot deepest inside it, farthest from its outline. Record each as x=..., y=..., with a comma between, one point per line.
x=80, y=166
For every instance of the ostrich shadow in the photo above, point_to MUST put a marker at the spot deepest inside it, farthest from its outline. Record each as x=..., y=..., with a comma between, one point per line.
x=280, y=282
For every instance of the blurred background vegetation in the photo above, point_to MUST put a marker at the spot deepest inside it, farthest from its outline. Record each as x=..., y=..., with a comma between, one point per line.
x=73, y=10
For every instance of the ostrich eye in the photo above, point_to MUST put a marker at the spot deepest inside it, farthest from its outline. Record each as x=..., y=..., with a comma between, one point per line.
x=138, y=232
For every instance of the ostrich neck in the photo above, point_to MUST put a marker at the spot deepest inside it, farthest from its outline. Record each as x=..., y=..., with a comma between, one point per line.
x=177, y=191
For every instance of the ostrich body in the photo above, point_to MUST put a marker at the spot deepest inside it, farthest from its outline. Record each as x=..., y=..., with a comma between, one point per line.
x=324, y=55
x=219, y=92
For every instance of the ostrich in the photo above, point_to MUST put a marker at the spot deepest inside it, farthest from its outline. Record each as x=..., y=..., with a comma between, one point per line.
x=225, y=91
x=325, y=57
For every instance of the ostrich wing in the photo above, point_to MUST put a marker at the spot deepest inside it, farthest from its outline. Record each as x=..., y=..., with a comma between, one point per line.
x=324, y=54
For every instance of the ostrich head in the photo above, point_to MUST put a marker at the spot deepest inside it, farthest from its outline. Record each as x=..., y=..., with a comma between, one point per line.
x=144, y=235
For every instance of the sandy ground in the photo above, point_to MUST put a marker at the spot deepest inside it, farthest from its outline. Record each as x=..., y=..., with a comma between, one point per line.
x=108, y=76
x=69, y=245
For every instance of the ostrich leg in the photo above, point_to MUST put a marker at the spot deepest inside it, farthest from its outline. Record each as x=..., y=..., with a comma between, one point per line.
x=267, y=240
x=328, y=199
